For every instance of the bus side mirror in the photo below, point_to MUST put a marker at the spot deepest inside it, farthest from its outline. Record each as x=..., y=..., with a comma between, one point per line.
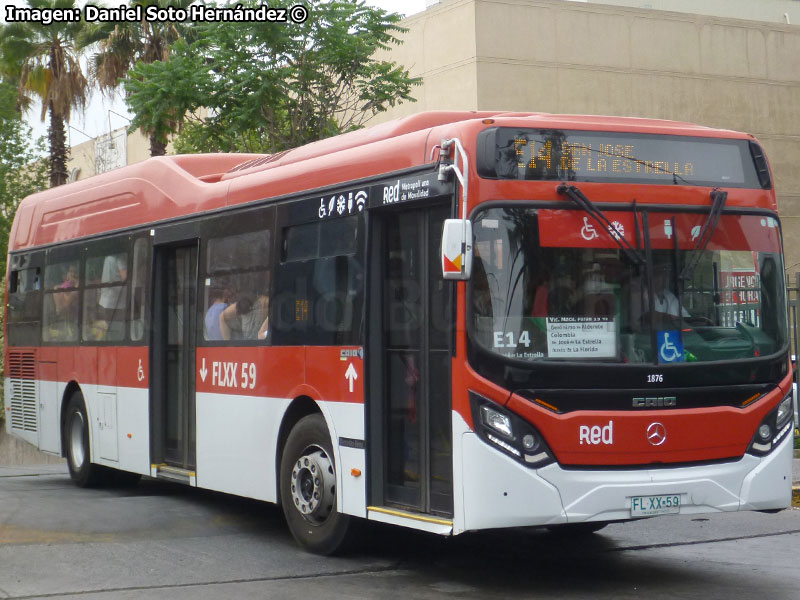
x=457, y=249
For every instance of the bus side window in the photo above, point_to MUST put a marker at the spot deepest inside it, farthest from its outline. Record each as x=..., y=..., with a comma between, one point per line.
x=60, y=323
x=105, y=297
x=24, y=306
x=321, y=279
x=237, y=287
x=141, y=263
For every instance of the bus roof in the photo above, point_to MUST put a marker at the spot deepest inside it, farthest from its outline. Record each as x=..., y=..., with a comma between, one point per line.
x=172, y=186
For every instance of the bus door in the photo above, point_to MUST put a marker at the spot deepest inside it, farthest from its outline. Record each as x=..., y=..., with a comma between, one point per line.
x=172, y=419
x=409, y=350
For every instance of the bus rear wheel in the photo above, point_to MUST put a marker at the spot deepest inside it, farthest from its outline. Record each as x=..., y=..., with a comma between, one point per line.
x=76, y=441
x=308, y=488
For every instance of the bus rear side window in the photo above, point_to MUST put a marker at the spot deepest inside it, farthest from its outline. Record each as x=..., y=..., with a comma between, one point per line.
x=105, y=297
x=24, y=306
x=61, y=299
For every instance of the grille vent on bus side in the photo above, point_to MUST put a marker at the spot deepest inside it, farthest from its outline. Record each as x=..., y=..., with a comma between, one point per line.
x=22, y=376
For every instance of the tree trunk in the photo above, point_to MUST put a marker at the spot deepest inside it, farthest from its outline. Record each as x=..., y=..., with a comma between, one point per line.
x=157, y=148
x=58, y=150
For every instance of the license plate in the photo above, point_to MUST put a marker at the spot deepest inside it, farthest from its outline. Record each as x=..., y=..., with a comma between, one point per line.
x=648, y=506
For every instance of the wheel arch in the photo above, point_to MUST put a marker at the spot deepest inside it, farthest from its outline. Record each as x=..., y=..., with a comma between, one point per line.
x=302, y=406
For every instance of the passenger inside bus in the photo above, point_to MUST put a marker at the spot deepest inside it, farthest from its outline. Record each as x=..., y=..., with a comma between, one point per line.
x=67, y=303
x=63, y=315
x=665, y=303
x=245, y=319
x=219, y=299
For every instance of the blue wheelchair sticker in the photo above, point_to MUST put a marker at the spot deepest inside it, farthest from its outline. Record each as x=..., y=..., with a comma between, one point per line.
x=670, y=346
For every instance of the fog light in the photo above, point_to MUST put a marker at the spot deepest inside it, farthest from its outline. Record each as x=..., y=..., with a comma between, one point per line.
x=529, y=442
x=764, y=432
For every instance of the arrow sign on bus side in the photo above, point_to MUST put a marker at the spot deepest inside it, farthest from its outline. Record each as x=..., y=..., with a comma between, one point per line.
x=351, y=375
x=203, y=371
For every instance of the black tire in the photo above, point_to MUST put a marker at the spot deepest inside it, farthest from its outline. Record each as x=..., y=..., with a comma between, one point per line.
x=76, y=445
x=308, y=488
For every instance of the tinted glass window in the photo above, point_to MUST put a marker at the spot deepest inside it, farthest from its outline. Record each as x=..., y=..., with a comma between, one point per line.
x=61, y=299
x=320, y=284
x=553, y=285
x=236, y=296
x=105, y=297
x=24, y=306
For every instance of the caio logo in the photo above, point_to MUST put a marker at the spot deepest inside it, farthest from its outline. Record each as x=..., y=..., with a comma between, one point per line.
x=596, y=434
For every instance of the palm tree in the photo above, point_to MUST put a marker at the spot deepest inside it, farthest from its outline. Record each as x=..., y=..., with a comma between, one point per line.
x=121, y=45
x=45, y=61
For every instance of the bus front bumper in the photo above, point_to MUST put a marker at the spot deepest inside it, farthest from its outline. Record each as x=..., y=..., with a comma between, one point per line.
x=500, y=492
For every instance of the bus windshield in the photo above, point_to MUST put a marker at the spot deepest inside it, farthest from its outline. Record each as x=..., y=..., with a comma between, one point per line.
x=553, y=284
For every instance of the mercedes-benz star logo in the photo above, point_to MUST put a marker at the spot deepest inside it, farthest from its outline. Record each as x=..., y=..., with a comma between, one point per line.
x=656, y=434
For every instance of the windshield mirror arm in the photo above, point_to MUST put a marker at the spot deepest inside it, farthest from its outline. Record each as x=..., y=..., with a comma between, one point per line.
x=718, y=199
x=579, y=198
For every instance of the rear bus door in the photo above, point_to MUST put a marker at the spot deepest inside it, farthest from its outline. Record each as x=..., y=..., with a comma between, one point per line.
x=173, y=411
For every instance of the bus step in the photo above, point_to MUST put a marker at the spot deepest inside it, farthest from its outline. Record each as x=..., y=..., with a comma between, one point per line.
x=175, y=474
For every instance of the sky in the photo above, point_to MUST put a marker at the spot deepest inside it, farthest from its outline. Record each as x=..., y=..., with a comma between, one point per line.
x=103, y=112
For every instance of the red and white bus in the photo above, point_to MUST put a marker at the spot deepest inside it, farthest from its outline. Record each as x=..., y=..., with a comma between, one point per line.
x=450, y=322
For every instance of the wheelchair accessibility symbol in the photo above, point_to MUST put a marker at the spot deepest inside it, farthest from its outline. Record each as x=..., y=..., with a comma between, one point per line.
x=670, y=347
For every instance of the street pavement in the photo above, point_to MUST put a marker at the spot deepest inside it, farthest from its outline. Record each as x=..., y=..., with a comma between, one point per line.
x=163, y=540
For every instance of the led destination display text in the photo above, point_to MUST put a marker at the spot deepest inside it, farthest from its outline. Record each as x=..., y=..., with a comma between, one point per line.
x=548, y=154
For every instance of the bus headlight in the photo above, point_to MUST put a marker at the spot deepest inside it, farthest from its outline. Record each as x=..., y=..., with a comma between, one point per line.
x=773, y=429
x=509, y=433
x=497, y=421
x=784, y=411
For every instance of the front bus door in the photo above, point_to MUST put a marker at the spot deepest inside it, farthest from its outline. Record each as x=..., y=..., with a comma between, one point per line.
x=410, y=348
x=173, y=352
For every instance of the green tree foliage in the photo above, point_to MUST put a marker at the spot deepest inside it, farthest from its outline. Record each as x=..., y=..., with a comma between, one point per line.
x=120, y=45
x=21, y=172
x=45, y=61
x=267, y=87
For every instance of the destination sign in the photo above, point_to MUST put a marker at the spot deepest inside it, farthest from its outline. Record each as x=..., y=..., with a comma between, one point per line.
x=549, y=154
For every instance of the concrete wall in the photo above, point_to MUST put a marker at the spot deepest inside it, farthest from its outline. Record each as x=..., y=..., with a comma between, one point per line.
x=582, y=57
x=756, y=10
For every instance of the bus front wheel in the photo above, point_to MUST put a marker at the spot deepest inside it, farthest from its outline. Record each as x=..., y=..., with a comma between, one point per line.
x=76, y=437
x=308, y=488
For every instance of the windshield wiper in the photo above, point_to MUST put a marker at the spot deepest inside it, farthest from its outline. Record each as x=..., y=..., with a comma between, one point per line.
x=718, y=199
x=579, y=198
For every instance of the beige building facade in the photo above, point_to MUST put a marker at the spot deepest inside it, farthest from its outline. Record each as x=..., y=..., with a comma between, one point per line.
x=563, y=56
x=624, y=57
x=776, y=11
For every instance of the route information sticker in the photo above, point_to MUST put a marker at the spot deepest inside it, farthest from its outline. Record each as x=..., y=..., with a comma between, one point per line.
x=581, y=337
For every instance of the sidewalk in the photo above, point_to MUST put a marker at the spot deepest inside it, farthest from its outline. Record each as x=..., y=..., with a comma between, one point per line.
x=18, y=453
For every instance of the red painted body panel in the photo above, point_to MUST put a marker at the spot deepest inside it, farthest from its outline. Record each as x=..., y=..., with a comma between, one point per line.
x=168, y=187
x=692, y=435
x=280, y=372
